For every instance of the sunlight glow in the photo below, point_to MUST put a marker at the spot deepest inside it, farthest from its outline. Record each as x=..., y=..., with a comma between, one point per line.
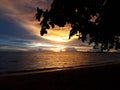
x=58, y=49
x=40, y=44
x=47, y=47
x=59, y=34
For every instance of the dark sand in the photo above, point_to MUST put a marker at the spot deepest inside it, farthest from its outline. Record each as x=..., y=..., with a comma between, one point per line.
x=105, y=77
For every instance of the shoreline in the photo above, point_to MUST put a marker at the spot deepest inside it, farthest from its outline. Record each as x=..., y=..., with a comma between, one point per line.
x=88, y=78
x=50, y=70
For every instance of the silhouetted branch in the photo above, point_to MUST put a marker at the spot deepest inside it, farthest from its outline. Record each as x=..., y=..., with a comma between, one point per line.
x=95, y=18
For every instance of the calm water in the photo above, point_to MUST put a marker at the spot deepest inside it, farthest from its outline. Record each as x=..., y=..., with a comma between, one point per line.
x=41, y=61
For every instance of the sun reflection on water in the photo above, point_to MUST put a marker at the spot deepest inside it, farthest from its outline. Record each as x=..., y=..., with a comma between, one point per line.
x=57, y=60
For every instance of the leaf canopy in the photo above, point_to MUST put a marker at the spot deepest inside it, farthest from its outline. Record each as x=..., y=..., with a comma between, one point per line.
x=96, y=18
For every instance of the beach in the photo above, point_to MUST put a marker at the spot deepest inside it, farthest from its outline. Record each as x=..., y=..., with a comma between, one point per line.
x=104, y=77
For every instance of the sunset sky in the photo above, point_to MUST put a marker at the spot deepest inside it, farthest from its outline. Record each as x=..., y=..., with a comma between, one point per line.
x=19, y=31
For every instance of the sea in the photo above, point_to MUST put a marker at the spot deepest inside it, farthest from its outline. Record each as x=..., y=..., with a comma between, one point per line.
x=20, y=62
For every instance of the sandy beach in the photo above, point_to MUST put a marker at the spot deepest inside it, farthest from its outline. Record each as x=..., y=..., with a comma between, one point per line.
x=104, y=77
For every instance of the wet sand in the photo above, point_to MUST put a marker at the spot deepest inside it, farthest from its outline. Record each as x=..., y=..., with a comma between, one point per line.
x=106, y=77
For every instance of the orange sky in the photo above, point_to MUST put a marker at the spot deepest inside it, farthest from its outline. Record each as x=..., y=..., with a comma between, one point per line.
x=19, y=14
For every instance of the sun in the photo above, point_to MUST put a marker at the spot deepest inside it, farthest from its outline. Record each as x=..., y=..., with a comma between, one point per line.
x=59, y=48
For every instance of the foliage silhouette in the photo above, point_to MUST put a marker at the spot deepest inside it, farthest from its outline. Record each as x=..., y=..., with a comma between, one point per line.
x=102, y=31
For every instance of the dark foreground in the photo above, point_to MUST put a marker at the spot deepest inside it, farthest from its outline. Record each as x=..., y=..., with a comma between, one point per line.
x=105, y=77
